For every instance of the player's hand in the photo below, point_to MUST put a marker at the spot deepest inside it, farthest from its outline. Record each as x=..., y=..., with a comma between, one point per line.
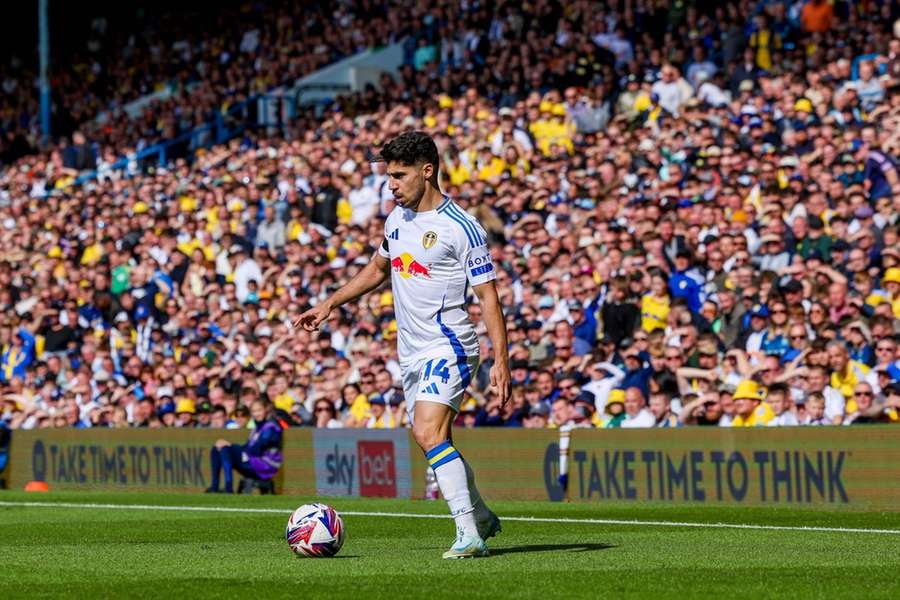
x=311, y=319
x=222, y=444
x=500, y=382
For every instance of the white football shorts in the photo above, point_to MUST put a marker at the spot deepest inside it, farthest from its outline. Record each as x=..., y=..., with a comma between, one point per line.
x=442, y=380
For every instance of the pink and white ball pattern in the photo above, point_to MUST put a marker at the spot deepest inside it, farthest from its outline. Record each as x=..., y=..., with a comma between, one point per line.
x=315, y=530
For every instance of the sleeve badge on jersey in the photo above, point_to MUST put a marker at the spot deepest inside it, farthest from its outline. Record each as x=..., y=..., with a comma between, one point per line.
x=429, y=239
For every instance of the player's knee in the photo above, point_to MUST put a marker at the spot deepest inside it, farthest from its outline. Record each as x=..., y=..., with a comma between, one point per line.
x=427, y=437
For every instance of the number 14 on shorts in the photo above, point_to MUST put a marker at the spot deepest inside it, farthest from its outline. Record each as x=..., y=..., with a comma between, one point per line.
x=435, y=368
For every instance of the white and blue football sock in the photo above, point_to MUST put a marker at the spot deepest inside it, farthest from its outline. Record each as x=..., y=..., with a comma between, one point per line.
x=481, y=509
x=450, y=471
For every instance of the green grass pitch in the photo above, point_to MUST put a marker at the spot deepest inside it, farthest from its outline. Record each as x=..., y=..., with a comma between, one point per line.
x=76, y=552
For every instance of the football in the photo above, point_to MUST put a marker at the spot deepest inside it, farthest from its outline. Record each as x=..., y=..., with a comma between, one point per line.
x=315, y=530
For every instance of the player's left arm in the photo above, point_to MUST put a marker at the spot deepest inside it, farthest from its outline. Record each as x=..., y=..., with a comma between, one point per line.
x=475, y=259
x=492, y=313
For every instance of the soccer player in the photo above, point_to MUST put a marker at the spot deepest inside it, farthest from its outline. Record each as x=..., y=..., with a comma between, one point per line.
x=433, y=251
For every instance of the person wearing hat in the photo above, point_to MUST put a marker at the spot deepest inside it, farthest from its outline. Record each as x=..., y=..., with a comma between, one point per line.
x=750, y=408
x=891, y=283
x=537, y=417
x=184, y=413
x=259, y=459
x=537, y=343
x=509, y=133
x=753, y=339
x=379, y=416
x=615, y=408
x=773, y=257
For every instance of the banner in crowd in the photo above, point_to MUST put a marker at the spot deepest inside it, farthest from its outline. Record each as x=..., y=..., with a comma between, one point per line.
x=362, y=462
x=855, y=467
x=159, y=459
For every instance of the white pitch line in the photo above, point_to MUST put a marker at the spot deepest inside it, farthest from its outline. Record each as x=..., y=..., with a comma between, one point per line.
x=350, y=513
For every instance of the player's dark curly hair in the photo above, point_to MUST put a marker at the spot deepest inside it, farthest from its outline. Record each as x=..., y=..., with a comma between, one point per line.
x=411, y=148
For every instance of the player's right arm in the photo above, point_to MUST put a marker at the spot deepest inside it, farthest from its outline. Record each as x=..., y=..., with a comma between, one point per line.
x=371, y=276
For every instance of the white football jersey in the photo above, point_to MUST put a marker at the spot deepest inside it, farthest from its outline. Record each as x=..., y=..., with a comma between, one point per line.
x=435, y=255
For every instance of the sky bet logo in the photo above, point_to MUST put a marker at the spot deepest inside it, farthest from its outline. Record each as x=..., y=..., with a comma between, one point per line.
x=341, y=469
x=370, y=469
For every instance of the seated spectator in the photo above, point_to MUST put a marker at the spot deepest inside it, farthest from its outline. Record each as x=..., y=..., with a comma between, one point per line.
x=259, y=459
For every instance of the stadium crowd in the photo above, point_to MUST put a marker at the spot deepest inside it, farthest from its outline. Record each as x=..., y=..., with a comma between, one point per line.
x=693, y=209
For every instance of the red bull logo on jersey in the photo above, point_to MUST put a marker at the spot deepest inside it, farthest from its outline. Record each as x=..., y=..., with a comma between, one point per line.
x=408, y=267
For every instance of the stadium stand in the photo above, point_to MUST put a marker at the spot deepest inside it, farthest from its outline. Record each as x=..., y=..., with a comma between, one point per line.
x=694, y=206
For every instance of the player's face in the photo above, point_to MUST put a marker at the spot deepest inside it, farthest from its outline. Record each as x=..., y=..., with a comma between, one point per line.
x=407, y=183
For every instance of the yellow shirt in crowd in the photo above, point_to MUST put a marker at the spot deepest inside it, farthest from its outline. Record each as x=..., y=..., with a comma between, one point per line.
x=759, y=417
x=856, y=372
x=654, y=312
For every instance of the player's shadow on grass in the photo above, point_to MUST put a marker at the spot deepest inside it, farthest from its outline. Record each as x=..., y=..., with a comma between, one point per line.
x=551, y=548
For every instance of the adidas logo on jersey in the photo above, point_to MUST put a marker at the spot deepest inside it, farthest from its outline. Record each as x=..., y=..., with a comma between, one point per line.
x=395, y=234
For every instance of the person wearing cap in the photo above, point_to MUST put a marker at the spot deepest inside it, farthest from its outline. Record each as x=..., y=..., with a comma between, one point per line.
x=750, y=408
x=753, y=339
x=259, y=459
x=379, y=416
x=537, y=343
x=891, y=283
x=184, y=413
x=538, y=417
x=615, y=409
x=773, y=256
x=510, y=134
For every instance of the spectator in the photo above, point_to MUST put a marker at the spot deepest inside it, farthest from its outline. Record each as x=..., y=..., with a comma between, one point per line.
x=816, y=16
x=750, y=409
x=636, y=415
x=381, y=417
x=259, y=459
x=779, y=398
x=660, y=407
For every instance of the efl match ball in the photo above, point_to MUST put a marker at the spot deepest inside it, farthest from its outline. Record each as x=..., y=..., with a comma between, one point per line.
x=315, y=530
